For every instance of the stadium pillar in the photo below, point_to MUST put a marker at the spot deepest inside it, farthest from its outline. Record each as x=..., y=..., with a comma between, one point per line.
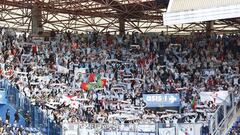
x=209, y=28
x=36, y=19
x=121, y=26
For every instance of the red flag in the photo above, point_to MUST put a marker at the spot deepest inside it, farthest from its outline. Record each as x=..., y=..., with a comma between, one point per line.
x=70, y=97
x=91, y=77
x=84, y=86
x=34, y=49
x=194, y=104
x=104, y=82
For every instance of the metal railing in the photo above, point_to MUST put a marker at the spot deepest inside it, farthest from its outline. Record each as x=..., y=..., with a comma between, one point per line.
x=132, y=129
x=39, y=119
x=222, y=116
x=216, y=121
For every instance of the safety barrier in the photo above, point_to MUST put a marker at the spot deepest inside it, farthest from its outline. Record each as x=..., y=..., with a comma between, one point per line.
x=132, y=129
x=108, y=129
x=39, y=119
x=222, y=116
x=216, y=121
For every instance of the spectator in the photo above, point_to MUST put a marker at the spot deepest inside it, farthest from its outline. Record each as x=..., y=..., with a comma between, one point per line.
x=27, y=119
x=16, y=116
x=7, y=115
x=1, y=122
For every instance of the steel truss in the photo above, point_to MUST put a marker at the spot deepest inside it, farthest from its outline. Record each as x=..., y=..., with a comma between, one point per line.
x=100, y=15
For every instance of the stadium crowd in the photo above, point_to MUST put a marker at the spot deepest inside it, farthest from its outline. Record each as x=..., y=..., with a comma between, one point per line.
x=100, y=78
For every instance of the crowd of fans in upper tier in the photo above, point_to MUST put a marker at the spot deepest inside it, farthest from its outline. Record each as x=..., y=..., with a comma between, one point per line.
x=101, y=78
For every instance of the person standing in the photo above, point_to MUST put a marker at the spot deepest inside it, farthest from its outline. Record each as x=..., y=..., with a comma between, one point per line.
x=27, y=119
x=16, y=116
x=7, y=115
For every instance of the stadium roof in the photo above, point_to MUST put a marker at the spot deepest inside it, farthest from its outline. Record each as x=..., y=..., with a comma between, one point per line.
x=187, y=11
x=101, y=15
x=199, y=4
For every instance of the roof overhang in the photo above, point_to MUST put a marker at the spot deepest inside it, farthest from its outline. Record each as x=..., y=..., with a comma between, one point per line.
x=199, y=15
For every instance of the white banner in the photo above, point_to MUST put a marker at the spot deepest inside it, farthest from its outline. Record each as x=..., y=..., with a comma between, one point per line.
x=186, y=130
x=38, y=40
x=189, y=129
x=80, y=73
x=146, y=128
x=167, y=131
x=120, y=133
x=70, y=129
x=61, y=69
x=84, y=131
x=216, y=97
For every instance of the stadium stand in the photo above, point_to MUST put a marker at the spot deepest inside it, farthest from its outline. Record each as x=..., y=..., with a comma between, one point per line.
x=103, y=82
